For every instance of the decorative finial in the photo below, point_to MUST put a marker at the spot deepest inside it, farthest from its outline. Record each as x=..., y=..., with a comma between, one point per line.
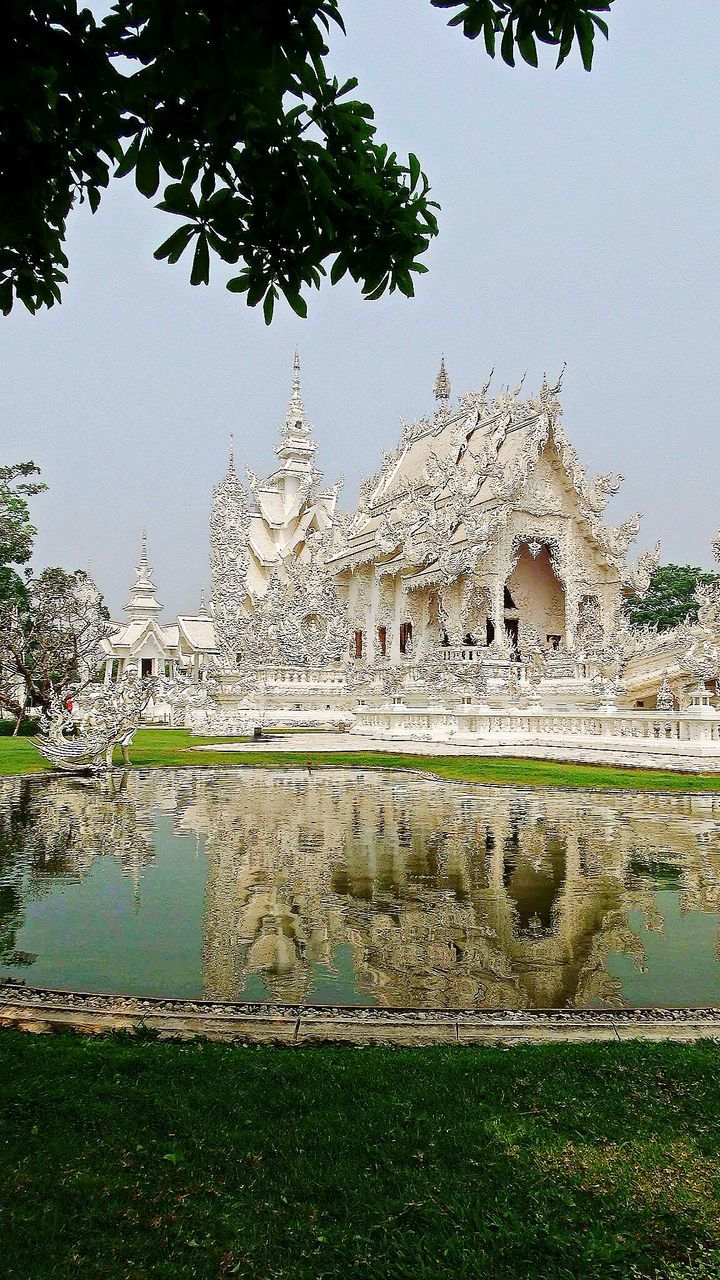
x=442, y=385
x=296, y=407
x=142, y=602
x=231, y=453
x=548, y=393
x=203, y=608
x=295, y=419
x=144, y=571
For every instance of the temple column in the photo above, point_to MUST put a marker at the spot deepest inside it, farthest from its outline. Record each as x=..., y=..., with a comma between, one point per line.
x=571, y=616
x=497, y=611
x=393, y=638
x=609, y=604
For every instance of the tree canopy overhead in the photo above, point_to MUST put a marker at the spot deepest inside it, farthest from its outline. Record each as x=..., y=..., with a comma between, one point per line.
x=228, y=116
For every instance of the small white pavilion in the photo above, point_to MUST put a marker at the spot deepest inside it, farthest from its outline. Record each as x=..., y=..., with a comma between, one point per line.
x=186, y=645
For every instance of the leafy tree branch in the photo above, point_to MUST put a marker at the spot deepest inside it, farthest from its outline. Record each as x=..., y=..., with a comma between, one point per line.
x=228, y=112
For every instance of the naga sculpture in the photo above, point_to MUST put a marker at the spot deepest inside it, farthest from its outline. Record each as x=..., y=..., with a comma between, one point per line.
x=78, y=733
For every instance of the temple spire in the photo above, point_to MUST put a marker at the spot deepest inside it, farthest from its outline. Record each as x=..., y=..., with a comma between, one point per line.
x=296, y=447
x=142, y=603
x=442, y=386
x=296, y=422
x=296, y=378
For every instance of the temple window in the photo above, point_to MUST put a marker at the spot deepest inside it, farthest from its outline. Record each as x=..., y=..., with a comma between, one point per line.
x=508, y=602
x=146, y=668
x=554, y=642
x=358, y=644
x=489, y=632
x=405, y=636
x=382, y=640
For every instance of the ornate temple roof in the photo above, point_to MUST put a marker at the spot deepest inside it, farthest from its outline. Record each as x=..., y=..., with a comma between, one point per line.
x=453, y=480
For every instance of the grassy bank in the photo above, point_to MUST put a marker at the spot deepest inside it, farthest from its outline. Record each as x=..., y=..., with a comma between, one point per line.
x=174, y=748
x=131, y=1159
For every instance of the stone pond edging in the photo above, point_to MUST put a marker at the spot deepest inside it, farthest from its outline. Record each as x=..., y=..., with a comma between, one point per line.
x=40, y=1011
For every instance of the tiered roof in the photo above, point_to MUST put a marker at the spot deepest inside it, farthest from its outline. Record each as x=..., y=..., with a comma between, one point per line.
x=453, y=480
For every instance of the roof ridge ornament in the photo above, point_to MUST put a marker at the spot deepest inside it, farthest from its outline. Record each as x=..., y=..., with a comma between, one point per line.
x=548, y=397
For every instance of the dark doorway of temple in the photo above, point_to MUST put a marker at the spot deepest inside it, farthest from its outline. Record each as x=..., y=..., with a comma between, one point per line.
x=511, y=626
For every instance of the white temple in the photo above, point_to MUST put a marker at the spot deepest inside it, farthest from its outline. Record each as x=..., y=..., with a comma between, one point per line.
x=474, y=594
x=156, y=649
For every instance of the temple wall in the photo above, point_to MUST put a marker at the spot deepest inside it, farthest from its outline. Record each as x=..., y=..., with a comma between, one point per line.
x=538, y=595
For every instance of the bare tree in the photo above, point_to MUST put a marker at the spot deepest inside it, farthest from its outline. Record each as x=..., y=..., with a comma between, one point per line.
x=51, y=641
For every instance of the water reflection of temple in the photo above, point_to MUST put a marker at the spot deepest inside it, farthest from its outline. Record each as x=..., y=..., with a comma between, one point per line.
x=54, y=830
x=439, y=894
x=445, y=898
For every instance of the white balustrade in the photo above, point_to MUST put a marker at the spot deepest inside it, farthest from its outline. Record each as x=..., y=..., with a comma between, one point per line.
x=632, y=732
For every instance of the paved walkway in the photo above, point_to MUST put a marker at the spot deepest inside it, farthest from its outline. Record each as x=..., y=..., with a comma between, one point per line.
x=309, y=743
x=617, y=754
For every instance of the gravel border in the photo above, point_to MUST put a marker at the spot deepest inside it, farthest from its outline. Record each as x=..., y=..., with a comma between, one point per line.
x=43, y=1010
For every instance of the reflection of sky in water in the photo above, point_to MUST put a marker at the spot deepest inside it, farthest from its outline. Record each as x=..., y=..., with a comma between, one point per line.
x=359, y=888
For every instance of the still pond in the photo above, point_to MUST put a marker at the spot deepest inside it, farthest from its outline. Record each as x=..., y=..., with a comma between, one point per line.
x=352, y=887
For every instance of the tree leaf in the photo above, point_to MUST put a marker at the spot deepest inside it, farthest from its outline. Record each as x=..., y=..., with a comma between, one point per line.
x=200, y=273
x=147, y=170
x=297, y=302
x=129, y=160
x=176, y=244
x=338, y=269
x=415, y=170
x=528, y=50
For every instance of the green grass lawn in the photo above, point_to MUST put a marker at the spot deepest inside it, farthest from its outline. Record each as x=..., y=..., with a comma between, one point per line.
x=125, y=1159
x=174, y=748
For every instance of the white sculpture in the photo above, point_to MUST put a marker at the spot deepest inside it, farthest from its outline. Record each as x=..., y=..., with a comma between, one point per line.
x=79, y=734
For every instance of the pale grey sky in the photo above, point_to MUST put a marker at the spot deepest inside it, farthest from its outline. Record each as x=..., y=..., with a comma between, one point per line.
x=579, y=223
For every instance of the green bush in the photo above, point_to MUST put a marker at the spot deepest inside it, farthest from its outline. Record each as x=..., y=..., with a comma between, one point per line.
x=28, y=727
